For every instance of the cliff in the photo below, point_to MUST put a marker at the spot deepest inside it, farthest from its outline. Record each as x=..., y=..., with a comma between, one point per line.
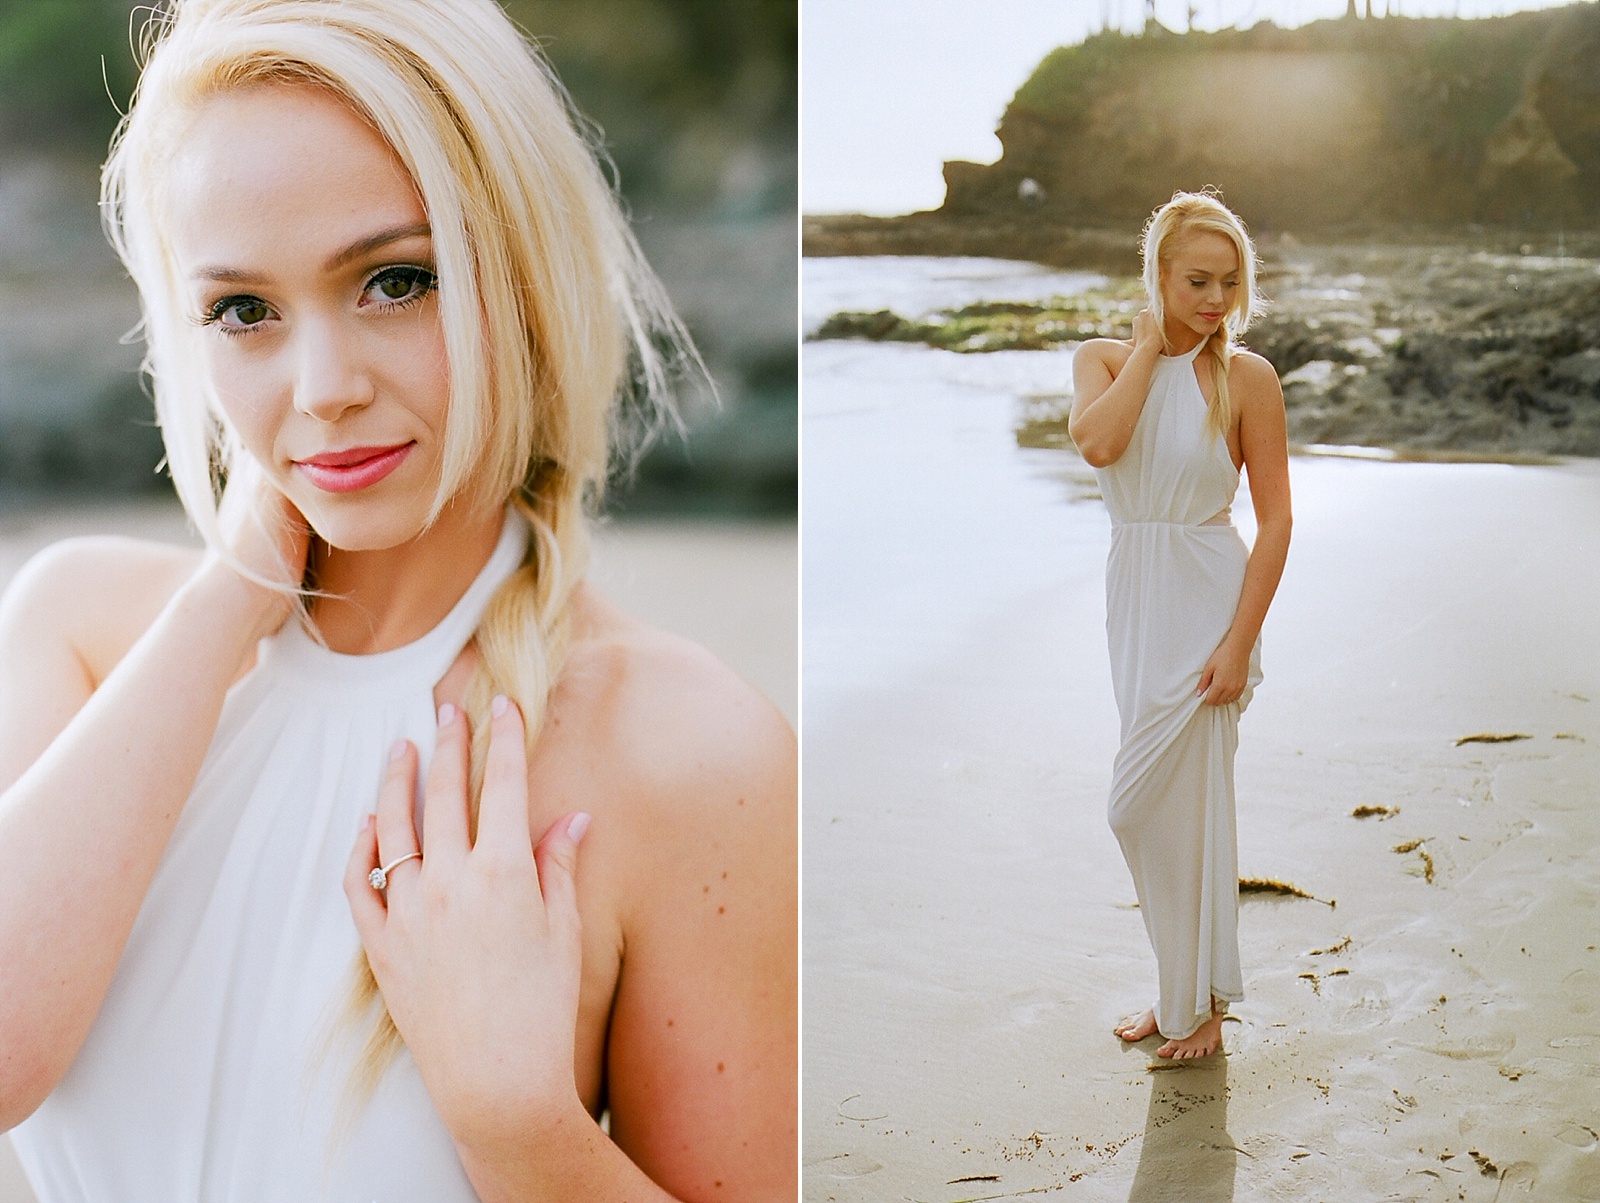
x=1340, y=123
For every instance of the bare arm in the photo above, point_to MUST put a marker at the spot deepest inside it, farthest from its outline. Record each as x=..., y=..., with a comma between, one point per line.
x=1263, y=438
x=702, y=1055
x=1107, y=401
x=95, y=776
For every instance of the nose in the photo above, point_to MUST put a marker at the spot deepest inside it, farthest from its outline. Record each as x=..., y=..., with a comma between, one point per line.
x=330, y=380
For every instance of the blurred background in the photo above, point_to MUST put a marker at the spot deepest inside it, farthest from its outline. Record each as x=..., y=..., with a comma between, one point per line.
x=697, y=102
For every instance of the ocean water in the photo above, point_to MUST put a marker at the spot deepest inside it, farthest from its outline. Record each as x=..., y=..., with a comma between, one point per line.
x=921, y=512
x=917, y=285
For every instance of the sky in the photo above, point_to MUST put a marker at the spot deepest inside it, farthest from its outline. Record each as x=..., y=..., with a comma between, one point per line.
x=890, y=89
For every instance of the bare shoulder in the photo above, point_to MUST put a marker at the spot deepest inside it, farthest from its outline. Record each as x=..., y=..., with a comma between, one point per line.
x=1111, y=353
x=93, y=594
x=692, y=744
x=66, y=619
x=1250, y=371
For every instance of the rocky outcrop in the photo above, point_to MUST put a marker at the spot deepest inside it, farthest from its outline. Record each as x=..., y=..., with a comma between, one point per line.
x=1344, y=123
x=1439, y=347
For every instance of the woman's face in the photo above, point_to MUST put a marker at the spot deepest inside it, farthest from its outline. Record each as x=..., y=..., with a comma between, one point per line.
x=1200, y=282
x=304, y=253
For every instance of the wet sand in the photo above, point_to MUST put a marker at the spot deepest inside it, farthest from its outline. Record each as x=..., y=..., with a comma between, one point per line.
x=731, y=586
x=970, y=934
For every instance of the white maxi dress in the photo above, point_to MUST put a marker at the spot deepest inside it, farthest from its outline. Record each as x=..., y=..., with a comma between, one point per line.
x=1173, y=581
x=199, y=1081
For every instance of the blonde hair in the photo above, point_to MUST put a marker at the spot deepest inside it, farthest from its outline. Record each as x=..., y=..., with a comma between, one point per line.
x=1195, y=213
x=551, y=315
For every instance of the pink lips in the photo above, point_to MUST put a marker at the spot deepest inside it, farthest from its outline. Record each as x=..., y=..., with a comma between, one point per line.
x=354, y=468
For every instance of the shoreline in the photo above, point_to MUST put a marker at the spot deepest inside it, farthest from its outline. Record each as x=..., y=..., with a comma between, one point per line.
x=1114, y=247
x=1440, y=348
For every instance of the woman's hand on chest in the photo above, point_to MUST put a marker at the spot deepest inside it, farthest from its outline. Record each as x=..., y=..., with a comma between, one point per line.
x=477, y=947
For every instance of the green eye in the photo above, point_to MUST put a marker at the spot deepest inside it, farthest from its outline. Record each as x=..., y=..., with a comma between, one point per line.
x=400, y=285
x=236, y=314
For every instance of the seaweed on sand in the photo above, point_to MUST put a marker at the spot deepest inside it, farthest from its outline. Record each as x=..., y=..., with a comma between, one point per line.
x=1427, y=859
x=1271, y=885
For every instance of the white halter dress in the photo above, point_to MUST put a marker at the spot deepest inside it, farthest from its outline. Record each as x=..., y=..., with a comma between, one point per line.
x=1173, y=581
x=199, y=1082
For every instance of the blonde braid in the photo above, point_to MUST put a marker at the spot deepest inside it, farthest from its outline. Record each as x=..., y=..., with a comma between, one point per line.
x=522, y=641
x=1219, y=414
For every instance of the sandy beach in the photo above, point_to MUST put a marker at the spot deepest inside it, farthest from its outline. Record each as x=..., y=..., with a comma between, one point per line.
x=1427, y=1028
x=730, y=586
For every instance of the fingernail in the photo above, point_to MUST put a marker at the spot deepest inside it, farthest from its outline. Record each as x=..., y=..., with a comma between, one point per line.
x=365, y=825
x=576, y=828
x=397, y=749
x=500, y=705
x=446, y=713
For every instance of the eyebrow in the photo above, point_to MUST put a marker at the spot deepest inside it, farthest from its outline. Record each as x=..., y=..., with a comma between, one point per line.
x=341, y=257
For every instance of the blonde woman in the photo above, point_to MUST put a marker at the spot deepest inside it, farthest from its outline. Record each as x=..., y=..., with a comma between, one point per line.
x=1169, y=420
x=390, y=305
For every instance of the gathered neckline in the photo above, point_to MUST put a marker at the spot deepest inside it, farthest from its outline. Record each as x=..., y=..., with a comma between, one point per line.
x=293, y=657
x=1189, y=355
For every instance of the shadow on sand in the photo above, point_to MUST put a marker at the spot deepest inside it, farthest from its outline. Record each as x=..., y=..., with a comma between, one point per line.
x=1187, y=1153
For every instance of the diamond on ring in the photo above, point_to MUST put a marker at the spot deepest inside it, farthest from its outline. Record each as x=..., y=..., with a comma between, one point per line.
x=379, y=877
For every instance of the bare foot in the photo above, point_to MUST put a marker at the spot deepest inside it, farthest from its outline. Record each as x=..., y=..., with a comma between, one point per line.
x=1206, y=1040
x=1137, y=1028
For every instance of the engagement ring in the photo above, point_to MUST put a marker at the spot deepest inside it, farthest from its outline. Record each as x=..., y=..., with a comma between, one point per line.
x=379, y=877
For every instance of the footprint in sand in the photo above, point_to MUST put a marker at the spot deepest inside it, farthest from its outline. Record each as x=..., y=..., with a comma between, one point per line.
x=1473, y=1048
x=1581, y=987
x=1582, y=1048
x=1363, y=1014
x=1579, y=1136
x=1239, y=1033
x=1028, y=1006
x=1518, y=1178
x=1512, y=908
x=845, y=1166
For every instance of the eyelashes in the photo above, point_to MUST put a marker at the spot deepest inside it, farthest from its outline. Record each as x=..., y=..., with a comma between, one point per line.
x=251, y=312
x=389, y=289
x=413, y=283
